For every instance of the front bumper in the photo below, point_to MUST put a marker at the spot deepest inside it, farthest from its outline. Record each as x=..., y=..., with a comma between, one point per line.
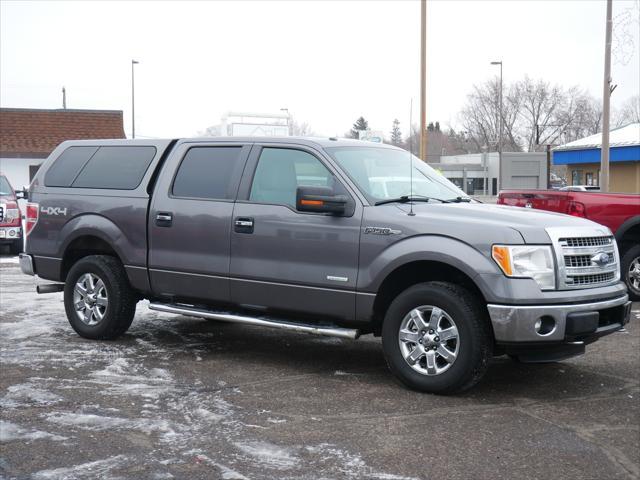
x=10, y=234
x=537, y=324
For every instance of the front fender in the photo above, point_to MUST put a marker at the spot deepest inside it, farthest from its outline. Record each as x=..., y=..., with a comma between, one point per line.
x=426, y=248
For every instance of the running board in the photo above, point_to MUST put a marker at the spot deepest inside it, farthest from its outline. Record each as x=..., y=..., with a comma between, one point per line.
x=257, y=321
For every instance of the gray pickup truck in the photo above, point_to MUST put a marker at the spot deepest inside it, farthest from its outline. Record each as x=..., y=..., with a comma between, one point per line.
x=325, y=236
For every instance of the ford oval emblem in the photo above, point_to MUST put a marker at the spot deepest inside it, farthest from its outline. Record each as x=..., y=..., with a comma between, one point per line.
x=601, y=259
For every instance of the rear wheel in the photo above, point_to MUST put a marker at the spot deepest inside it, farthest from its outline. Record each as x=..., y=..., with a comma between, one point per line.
x=630, y=268
x=436, y=338
x=98, y=299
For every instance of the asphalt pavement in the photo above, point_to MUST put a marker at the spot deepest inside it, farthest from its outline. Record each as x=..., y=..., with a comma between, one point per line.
x=186, y=398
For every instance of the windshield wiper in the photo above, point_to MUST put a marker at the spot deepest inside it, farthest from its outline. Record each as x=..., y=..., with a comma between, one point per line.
x=460, y=200
x=410, y=198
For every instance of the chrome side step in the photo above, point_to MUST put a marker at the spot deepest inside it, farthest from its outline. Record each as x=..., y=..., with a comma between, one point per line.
x=257, y=321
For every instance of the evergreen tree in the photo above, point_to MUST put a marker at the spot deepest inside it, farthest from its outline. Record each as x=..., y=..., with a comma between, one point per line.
x=396, y=134
x=361, y=124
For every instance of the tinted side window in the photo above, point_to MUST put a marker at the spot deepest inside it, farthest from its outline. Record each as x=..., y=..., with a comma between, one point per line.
x=281, y=171
x=66, y=167
x=207, y=172
x=120, y=168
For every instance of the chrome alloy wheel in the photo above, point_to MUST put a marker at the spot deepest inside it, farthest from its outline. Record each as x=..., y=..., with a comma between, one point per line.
x=429, y=340
x=90, y=299
x=634, y=274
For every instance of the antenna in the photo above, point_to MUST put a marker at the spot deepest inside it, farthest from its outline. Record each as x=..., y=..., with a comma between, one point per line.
x=411, y=213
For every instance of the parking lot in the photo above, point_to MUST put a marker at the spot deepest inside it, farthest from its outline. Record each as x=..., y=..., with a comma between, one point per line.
x=186, y=398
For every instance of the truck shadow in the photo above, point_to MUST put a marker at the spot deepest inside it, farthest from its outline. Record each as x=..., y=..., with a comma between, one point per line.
x=361, y=363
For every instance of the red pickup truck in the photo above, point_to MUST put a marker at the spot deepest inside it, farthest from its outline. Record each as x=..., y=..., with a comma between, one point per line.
x=10, y=218
x=618, y=211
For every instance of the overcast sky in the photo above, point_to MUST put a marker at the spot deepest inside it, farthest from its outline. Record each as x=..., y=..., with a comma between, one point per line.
x=328, y=62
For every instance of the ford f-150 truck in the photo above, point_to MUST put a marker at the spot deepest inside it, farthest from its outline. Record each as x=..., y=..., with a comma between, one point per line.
x=10, y=217
x=297, y=234
x=618, y=211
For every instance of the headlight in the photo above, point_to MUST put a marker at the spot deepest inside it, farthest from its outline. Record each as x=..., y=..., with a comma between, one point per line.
x=527, y=261
x=11, y=214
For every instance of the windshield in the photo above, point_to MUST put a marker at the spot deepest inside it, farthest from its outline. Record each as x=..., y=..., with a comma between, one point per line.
x=383, y=174
x=5, y=188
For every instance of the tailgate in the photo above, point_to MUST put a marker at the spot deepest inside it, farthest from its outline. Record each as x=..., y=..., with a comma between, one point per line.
x=550, y=200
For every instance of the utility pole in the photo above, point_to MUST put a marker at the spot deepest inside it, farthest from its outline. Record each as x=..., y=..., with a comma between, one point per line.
x=500, y=166
x=423, y=81
x=606, y=106
x=64, y=98
x=133, y=101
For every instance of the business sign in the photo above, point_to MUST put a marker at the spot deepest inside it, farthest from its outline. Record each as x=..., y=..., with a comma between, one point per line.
x=375, y=136
x=258, y=130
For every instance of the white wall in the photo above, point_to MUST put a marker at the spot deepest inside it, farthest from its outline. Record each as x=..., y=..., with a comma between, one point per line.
x=17, y=170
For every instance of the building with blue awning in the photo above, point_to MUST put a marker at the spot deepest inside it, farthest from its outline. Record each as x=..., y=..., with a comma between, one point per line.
x=582, y=159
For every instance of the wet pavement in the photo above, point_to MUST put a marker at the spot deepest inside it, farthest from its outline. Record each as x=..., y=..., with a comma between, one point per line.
x=186, y=398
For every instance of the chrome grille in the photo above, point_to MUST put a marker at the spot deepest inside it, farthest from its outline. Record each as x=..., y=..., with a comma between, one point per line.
x=579, y=280
x=586, y=241
x=587, y=257
x=582, y=260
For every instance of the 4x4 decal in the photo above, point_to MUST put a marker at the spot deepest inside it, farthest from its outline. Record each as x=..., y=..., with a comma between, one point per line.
x=53, y=210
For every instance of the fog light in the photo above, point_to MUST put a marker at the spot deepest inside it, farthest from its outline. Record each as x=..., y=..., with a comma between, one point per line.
x=545, y=326
x=12, y=233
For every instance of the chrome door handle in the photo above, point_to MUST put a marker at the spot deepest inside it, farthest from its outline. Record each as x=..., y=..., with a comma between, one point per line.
x=164, y=219
x=243, y=225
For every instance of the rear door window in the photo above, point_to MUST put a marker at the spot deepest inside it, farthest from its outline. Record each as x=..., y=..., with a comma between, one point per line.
x=119, y=168
x=67, y=166
x=208, y=172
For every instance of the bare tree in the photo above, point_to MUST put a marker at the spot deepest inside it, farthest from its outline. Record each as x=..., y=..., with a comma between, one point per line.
x=480, y=117
x=302, y=129
x=629, y=113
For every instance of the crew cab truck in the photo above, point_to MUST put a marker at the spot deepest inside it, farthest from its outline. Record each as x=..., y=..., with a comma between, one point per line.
x=620, y=212
x=293, y=233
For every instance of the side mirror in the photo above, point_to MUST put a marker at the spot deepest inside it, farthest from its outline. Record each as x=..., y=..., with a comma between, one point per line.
x=320, y=200
x=21, y=194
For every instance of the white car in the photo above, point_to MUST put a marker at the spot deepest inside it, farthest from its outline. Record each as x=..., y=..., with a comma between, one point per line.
x=581, y=188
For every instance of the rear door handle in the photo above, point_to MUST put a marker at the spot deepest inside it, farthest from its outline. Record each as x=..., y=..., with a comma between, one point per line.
x=164, y=219
x=243, y=225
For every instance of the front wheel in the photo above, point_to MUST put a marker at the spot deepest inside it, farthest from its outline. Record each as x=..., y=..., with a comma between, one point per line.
x=98, y=299
x=436, y=338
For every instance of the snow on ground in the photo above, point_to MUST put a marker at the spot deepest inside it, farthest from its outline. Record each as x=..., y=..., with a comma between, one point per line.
x=134, y=390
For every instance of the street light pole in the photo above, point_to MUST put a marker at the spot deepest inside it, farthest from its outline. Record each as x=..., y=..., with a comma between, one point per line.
x=133, y=101
x=288, y=120
x=500, y=166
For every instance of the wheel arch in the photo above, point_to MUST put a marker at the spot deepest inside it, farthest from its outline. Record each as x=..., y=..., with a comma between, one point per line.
x=91, y=234
x=628, y=233
x=415, y=272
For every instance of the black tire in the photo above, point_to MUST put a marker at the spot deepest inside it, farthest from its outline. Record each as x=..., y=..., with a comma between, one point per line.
x=475, y=349
x=630, y=255
x=15, y=247
x=122, y=299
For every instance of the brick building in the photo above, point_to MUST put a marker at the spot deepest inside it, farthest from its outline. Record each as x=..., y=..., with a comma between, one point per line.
x=28, y=136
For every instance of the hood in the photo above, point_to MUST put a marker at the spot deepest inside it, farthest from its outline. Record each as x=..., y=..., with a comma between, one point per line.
x=530, y=223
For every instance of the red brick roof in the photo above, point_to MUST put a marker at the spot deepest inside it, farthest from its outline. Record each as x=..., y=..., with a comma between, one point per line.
x=26, y=131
